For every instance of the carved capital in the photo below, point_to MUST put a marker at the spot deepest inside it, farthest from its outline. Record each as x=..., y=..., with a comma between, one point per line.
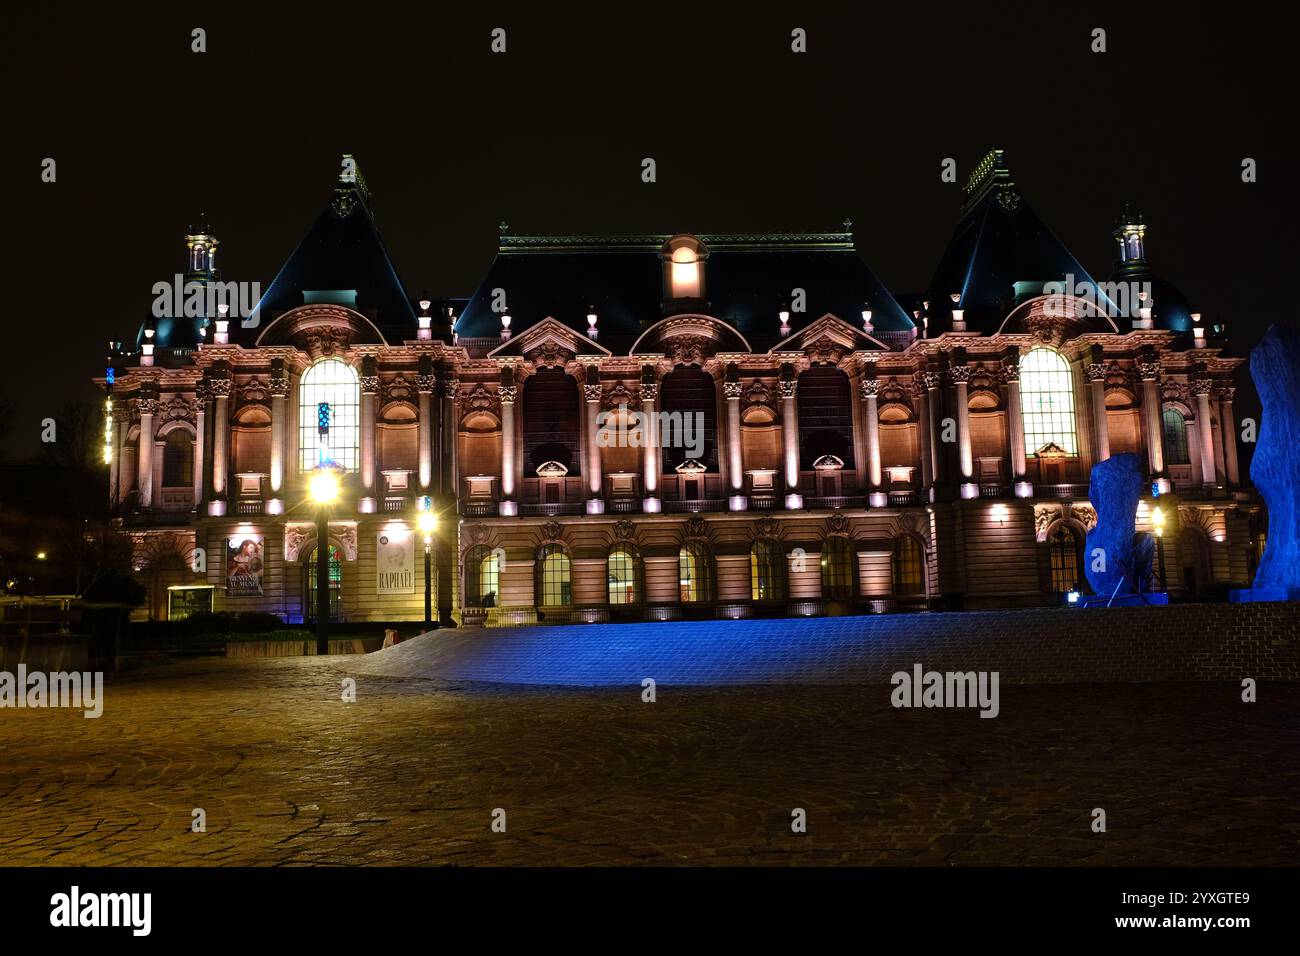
x=1149, y=371
x=1097, y=372
x=449, y=388
x=788, y=388
x=932, y=379
x=869, y=387
x=1225, y=393
x=591, y=393
x=507, y=393
x=219, y=387
x=1202, y=386
x=369, y=384
x=649, y=392
x=280, y=386
x=732, y=390
x=147, y=406
x=424, y=383
x=959, y=374
x=1010, y=373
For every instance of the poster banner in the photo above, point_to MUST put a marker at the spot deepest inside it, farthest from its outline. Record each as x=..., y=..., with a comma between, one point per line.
x=395, y=562
x=244, y=566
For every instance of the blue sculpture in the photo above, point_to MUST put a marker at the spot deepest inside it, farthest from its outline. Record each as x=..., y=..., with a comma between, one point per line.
x=1115, y=560
x=1275, y=469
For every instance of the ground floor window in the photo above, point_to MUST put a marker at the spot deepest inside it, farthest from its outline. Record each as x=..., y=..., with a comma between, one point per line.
x=908, y=566
x=837, y=568
x=621, y=568
x=335, y=584
x=695, y=573
x=482, y=577
x=555, y=587
x=767, y=571
x=1063, y=547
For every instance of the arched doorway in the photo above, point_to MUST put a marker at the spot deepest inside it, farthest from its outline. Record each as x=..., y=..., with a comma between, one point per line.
x=335, y=585
x=1194, y=552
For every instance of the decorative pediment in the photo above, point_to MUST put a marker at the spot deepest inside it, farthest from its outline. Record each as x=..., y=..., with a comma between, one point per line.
x=551, y=469
x=690, y=339
x=828, y=463
x=549, y=343
x=691, y=467
x=1052, y=450
x=827, y=340
x=321, y=330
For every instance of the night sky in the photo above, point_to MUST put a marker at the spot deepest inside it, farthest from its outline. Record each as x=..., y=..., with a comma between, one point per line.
x=747, y=135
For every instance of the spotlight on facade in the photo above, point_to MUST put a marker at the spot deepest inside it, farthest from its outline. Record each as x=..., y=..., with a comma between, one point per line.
x=324, y=487
x=1000, y=513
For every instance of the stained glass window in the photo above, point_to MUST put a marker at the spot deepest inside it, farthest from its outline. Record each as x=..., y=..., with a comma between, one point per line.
x=334, y=383
x=1047, y=401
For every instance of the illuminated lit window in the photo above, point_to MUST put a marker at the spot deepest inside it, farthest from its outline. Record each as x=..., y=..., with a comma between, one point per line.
x=837, y=569
x=554, y=588
x=621, y=567
x=908, y=566
x=1175, y=437
x=335, y=583
x=1063, y=547
x=178, y=459
x=767, y=571
x=685, y=273
x=482, y=577
x=335, y=383
x=1047, y=401
x=695, y=573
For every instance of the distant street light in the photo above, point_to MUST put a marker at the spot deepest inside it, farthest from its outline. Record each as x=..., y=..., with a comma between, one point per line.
x=324, y=491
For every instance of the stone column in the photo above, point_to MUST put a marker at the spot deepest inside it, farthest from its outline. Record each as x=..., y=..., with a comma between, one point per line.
x=447, y=464
x=959, y=375
x=650, y=458
x=424, y=385
x=592, y=393
x=220, y=436
x=1228, y=427
x=114, y=448
x=369, y=388
x=736, y=458
x=279, y=420
x=200, y=428
x=920, y=398
x=1016, y=432
x=934, y=402
x=148, y=409
x=507, y=393
x=1202, y=388
x=870, y=388
x=1100, y=427
x=123, y=416
x=790, y=442
x=1150, y=373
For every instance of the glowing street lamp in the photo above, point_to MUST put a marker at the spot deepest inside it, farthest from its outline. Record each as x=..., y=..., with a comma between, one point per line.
x=427, y=522
x=324, y=491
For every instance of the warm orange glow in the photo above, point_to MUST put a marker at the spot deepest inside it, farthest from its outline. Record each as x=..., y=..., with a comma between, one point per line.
x=685, y=274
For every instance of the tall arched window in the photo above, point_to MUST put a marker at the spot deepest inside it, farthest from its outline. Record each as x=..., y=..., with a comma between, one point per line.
x=825, y=404
x=689, y=397
x=695, y=573
x=1063, y=549
x=551, y=422
x=1047, y=401
x=1175, y=437
x=333, y=382
x=767, y=571
x=335, y=584
x=838, y=570
x=482, y=577
x=621, y=569
x=178, y=459
x=908, y=566
x=554, y=587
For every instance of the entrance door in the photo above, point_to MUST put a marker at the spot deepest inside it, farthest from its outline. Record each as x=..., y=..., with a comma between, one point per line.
x=335, y=584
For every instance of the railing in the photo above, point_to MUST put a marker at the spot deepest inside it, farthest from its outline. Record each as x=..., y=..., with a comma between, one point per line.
x=834, y=502
x=623, y=506
x=993, y=489
x=478, y=509
x=693, y=505
x=552, y=509
x=904, y=499
x=1061, y=491
x=763, y=502
x=250, y=507
x=394, y=505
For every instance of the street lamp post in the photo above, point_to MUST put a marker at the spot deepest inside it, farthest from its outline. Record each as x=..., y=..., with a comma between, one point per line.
x=1158, y=522
x=427, y=522
x=324, y=491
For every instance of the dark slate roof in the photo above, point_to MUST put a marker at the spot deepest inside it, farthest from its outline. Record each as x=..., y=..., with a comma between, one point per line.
x=342, y=251
x=1000, y=253
x=748, y=279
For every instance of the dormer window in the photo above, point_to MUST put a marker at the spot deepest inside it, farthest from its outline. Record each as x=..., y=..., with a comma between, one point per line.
x=684, y=258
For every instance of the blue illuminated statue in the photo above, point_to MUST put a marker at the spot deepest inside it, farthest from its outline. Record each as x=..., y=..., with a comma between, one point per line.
x=1275, y=469
x=1116, y=561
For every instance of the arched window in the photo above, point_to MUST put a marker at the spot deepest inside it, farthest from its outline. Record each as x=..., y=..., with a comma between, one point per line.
x=551, y=422
x=767, y=571
x=1175, y=437
x=825, y=403
x=838, y=571
x=1047, y=401
x=482, y=577
x=695, y=573
x=622, y=574
x=908, y=566
x=178, y=459
x=554, y=588
x=331, y=382
x=1063, y=550
x=691, y=430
